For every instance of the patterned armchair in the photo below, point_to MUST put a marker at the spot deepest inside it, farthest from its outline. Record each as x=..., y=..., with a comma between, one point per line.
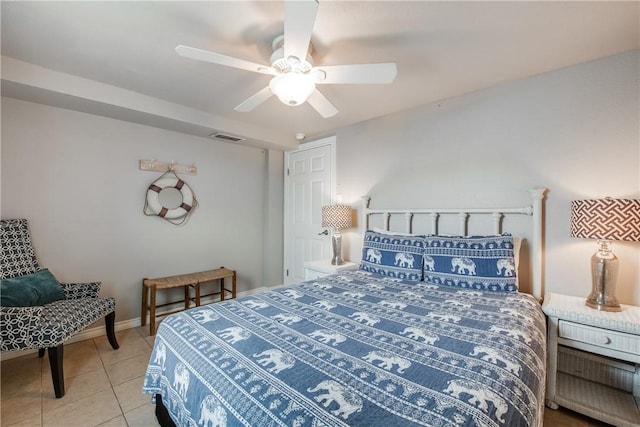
x=50, y=325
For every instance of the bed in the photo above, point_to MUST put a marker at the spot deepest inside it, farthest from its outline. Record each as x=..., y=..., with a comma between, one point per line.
x=429, y=330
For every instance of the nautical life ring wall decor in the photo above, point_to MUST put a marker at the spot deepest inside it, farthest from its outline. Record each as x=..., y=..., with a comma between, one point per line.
x=175, y=215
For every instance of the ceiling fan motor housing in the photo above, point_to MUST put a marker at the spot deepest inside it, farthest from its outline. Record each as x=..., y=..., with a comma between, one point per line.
x=285, y=65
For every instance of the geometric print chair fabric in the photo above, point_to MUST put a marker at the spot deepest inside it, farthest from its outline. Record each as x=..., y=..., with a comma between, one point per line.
x=48, y=326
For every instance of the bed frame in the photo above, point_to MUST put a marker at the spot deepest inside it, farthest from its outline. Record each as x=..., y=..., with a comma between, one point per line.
x=408, y=218
x=534, y=210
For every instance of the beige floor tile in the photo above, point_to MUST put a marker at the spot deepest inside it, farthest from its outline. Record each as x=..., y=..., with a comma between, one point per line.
x=32, y=422
x=144, y=331
x=76, y=388
x=128, y=369
x=563, y=417
x=118, y=421
x=131, y=344
x=150, y=340
x=130, y=395
x=90, y=411
x=143, y=416
x=78, y=358
x=20, y=392
x=21, y=408
x=19, y=375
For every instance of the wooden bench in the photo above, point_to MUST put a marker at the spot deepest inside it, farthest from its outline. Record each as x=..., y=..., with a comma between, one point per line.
x=187, y=281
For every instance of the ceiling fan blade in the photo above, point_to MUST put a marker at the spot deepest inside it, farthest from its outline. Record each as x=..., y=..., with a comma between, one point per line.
x=217, y=58
x=299, y=17
x=321, y=104
x=254, y=100
x=356, y=73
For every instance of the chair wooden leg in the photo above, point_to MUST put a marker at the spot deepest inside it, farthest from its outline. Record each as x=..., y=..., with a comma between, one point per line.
x=57, y=373
x=109, y=321
x=41, y=352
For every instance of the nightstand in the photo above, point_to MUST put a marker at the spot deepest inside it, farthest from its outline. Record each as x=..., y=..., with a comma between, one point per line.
x=593, y=360
x=317, y=269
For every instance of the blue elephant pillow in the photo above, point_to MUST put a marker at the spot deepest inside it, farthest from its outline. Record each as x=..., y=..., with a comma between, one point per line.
x=483, y=263
x=34, y=289
x=393, y=255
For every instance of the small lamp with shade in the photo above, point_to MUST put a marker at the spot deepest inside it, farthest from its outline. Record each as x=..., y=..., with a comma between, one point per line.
x=605, y=220
x=337, y=217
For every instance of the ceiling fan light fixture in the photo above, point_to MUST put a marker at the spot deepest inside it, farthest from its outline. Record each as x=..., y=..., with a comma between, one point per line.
x=292, y=88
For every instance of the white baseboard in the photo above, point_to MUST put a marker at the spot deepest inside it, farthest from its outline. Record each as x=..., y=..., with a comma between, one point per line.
x=99, y=331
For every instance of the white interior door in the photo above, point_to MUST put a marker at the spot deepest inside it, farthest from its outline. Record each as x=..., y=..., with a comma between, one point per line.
x=309, y=185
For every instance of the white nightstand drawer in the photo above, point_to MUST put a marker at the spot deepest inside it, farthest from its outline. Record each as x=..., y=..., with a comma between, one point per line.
x=600, y=337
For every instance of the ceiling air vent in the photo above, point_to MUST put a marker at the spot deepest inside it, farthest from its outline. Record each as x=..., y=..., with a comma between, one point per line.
x=226, y=137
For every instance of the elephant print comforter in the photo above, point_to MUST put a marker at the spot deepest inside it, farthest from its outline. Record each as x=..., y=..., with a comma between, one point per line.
x=354, y=349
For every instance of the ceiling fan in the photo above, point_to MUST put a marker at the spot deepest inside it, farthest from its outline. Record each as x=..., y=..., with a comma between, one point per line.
x=295, y=76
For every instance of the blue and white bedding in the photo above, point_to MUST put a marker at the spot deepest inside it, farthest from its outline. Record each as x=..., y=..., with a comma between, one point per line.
x=357, y=349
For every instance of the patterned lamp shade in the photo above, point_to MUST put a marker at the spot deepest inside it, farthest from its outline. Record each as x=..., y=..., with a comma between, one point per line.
x=606, y=219
x=336, y=216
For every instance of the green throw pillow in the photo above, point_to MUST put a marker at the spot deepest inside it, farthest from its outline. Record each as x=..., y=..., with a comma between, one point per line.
x=39, y=288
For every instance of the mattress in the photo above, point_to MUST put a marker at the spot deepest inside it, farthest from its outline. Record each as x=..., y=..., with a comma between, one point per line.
x=356, y=349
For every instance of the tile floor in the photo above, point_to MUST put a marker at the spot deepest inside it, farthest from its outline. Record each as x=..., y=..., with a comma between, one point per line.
x=103, y=388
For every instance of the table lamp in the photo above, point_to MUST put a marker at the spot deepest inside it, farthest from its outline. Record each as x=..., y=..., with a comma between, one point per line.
x=337, y=217
x=605, y=220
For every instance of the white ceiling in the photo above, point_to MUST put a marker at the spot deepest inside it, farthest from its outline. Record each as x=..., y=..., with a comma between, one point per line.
x=442, y=49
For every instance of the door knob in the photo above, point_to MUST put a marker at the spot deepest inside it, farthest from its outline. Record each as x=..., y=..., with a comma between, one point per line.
x=325, y=232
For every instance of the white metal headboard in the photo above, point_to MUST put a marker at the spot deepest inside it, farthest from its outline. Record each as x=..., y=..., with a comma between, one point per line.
x=535, y=210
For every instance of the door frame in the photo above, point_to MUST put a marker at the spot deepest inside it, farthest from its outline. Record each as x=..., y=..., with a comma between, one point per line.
x=327, y=141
